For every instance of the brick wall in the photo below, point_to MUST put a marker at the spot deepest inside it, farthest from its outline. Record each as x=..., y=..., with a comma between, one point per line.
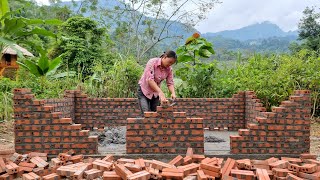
x=164, y=131
x=285, y=130
x=216, y=112
x=221, y=113
x=100, y=112
x=253, y=107
x=65, y=105
x=38, y=127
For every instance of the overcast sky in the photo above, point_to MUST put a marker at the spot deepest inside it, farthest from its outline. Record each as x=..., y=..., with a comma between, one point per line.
x=234, y=14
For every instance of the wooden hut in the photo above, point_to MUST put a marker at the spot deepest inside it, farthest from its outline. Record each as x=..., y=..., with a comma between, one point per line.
x=8, y=61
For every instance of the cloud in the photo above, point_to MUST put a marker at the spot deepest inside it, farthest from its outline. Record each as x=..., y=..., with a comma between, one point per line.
x=234, y=14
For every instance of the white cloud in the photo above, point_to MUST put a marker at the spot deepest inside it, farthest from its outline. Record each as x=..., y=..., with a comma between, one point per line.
x=234, y=14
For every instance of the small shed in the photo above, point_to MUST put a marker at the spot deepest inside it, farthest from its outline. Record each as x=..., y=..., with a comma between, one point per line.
x=8, y=61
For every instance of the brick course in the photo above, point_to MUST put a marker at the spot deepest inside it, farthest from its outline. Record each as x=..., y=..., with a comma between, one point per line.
x=55, y=125
x=285, y=130
x=164, y=131
x=38, y=127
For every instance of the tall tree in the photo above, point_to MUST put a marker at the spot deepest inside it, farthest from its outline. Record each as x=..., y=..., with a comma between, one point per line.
x=309, y=29
x=81, y=44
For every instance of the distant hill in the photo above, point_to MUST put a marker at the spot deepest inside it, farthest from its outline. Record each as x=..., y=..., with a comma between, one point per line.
x=260, y=37
x=255, y=31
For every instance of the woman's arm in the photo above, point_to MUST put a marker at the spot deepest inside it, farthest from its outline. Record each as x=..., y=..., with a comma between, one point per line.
x=156, y=88
x=171, y=89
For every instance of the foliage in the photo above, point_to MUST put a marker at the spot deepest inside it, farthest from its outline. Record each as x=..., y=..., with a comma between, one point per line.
x=123, y=77
x=82, y=42
x=309, y=29
x=197, y=77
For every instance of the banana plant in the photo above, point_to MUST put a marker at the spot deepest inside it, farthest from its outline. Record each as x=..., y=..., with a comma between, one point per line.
x=41, y=67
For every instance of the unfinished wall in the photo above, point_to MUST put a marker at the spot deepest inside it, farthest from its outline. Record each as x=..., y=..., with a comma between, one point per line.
x=101, y=112
x=253, y=107
x=285, y=130
x=164, y=131
x=218, y=113
x=38, y=127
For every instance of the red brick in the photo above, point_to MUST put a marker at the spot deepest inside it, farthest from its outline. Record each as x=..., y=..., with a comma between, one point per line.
x=262, y=174
x=210, y=167
x=280, y=172
x=190, y=168
x=92, y=174
x=228, y=165
x=178, y=160
x=52, y=176
x=243, y=174
x=12, y=168
x=201, y=175
x=293, y=177
x=142, y=175
x=110, y=175
x=122, y=171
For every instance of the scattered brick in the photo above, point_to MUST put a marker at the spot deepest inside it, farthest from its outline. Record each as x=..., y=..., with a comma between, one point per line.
x=110, y=175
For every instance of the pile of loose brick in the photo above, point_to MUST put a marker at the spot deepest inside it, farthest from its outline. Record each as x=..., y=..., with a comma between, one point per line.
x=35, y=166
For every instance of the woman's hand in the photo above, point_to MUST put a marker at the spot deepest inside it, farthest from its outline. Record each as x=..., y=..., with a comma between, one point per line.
x=162, y=97
x=173, y=96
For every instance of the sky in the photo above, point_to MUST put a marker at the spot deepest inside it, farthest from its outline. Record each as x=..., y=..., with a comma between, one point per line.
x=235, y=14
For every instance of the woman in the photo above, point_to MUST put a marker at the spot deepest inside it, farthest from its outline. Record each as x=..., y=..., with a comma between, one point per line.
x=157, y=69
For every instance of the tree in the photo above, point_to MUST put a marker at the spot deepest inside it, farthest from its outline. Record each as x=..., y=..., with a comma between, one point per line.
x=81, y=44
x=141, y=25
x=309, y=29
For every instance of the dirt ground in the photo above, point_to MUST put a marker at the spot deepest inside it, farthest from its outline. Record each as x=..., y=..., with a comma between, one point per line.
x=7, y=137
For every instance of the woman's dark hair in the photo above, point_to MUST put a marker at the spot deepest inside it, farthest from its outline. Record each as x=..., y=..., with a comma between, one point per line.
x=169, y=54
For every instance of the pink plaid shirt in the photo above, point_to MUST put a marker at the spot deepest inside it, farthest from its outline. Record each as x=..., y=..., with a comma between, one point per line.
x=154, y=71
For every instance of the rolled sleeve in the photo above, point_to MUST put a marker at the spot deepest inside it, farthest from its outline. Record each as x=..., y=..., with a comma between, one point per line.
x=169, y=79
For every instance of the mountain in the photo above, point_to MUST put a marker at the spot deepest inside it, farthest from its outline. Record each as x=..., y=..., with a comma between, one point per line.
x=255, y=31
x=259, y=37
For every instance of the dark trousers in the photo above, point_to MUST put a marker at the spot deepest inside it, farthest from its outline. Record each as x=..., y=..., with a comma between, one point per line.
x=147, y=105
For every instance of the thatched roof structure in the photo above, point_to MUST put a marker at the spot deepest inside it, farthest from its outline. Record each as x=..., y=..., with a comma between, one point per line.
x=13, y=50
